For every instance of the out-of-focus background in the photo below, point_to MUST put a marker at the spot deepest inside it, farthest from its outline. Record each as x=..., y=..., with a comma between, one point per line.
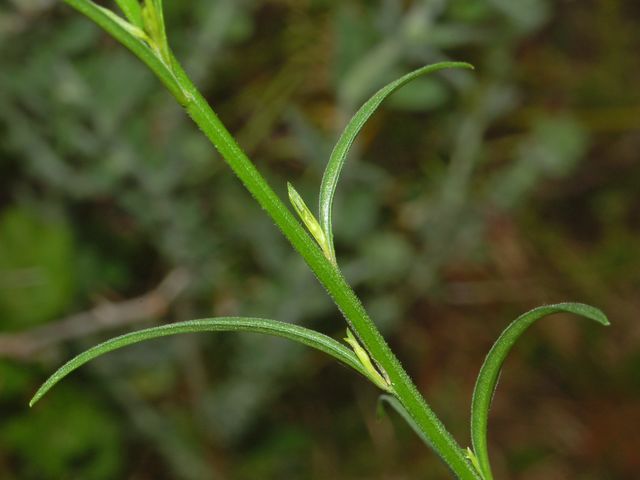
x=469, y=198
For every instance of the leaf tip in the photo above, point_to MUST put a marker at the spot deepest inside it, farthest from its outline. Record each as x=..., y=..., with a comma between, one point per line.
x=597, y=315
x=290, y=189
x=465, y=65
x=602, y=318
x=587, y=311
x=41, y=392
x=35, y=399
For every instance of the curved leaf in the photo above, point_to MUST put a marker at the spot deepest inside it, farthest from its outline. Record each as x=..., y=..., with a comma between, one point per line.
x=341, y=149
x=297, y=333
x=490, y=371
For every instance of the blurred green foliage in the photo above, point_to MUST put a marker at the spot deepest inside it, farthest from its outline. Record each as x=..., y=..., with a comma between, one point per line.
x=471, y=197
x=38, y=283
x=76, y=438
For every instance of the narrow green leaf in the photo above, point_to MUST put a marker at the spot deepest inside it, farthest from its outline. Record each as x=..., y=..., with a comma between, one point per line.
x=309, y=221
x=132, y=10
x=490, y=371
x=342, y=147
x=297, y=333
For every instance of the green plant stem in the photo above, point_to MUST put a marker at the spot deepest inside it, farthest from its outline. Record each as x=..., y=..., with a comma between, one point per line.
x=179, y=84
x=331, y=278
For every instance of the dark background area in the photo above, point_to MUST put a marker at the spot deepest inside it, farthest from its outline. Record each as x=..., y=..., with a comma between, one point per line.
x=469, y=198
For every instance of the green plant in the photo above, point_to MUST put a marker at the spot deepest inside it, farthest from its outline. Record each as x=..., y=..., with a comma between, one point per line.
x=143, y=31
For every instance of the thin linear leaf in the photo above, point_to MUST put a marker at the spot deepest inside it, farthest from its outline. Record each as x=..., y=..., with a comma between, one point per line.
x=132, y=10
x=297, y=333
x=343, y=145
x=490, y=371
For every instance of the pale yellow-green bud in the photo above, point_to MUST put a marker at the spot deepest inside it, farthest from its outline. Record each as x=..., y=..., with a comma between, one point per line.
x=380, y=379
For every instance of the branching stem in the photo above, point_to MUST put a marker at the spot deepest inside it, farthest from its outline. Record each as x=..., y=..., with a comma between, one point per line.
x=178, y=83
x=331, y=278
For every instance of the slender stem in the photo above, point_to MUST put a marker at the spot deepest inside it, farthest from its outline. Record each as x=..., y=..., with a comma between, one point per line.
x=331, y=278
x=181, y=87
